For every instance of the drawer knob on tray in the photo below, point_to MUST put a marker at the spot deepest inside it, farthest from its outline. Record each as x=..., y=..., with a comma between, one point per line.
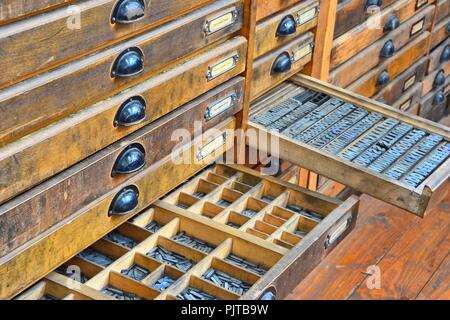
x=439, y=98
x=287, y=27
x=388, y=49
x=383, y=78
x=392, y=23
x=445, y=56
x=130, y=160
x=282, y=64
x=129, y=63
x=130, y=113
x=128, y=11
x=124, y=202
x=439, y=80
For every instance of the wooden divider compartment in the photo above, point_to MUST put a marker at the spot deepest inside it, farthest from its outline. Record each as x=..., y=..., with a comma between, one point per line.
x=214, y=248
x=90, y=223
x=414, y=198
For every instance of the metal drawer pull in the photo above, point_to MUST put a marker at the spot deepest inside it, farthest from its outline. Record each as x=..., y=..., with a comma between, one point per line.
x=221, y=22
x=388, y=49
x=439, y=80
x=129, y=63
x=392, y=23
x=439, y=98
x=282, y=64
x=212, y=146
x=222, y=67
x=128, y=11
x=131, y=112
x=338, y=231
x=268, y=296
x=220, y=106
x=445, y=56
x=130, y=160
x=287, y=27
x=383, y=78
x=125, y=201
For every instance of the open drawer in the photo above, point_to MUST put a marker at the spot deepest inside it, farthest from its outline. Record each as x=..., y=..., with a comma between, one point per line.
x=229, y=233
x=368, y=146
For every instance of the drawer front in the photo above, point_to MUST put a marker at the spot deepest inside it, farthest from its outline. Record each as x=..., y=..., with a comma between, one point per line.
x=378, y=78
x=359, y=38
x=437, y=78
x=351, y=13
x=381, y=50
x=72, y=31
x=266, y=8
x=50, y=96
x=433, y=106
x=409, y=102
x=439, y=55
x=278, y=65
x=65, y=194
x=281, y=28
x=356, y=141
x=440, y=32
x=91, y=223
x=401, y=84
x=16, y=9
x=263, y=264
x=42, y=149
x=443, y=10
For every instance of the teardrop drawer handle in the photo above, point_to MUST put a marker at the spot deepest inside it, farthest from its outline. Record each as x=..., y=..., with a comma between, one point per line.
x=131, y=112
x=287, y=27
x=439, y=80
x=383, y=78
x=388, y=49
x=129, y=63
x=126, y=201
x=128, y=11
x=268, y=296
x=439, y=98
x=445, y=56
x=392, y=23
x=373, y=3
x=130, y=160
x=282, y=64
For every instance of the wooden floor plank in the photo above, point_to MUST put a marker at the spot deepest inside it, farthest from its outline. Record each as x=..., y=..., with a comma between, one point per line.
x=438, y=288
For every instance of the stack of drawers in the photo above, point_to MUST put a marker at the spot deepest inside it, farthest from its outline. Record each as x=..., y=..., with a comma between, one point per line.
x=90, y=97
x=381, y=49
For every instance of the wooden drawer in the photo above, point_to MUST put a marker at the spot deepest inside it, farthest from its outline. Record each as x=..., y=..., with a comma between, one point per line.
x=440, y=32
x=443, y=10
x=51, y=96
x=433, y=106
x=272, y=261
x=278, y=65
x=266, y=8
x=439, y=56
x=281, y=28
x=378, y=52
x=349, y=44
x=402, y=83
x=437, y=78
x=72, y=31
x=409, y=102
x=86, y=226
x=355, y=141
x=81, y=130
x=65, y=194
x=375, y=80
x=351, y=13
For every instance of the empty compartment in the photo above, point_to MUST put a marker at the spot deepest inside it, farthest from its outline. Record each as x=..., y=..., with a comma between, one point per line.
x=185, y=201
x=236, y=220
x=123, y=288
x=270, y=191
x=264, y=227
x=281, y=213
x=243, y=188
x=210, y=210
x=204, y=187
x=290, y=238
x=47, y=290
x=152, y=220
x=215, y=178
x=273, y=220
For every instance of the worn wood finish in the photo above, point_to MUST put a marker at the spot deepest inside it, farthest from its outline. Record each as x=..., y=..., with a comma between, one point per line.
x=440, y=32
x=64, y=39
x=435, y=56
x=438, y=287
x=403, y=82
x=266, y=38
x=368, y=85
x=92, y=129
x=351, y=13
x=61, y=196
x=409, y=102
x=266, y=8
x=64, y=239
x=263, y=77
x=50, y=96
x=431, y=110
x=443, y=10
x=370, y=58
x=415, y=200
x=349, y=44
x=428, y=82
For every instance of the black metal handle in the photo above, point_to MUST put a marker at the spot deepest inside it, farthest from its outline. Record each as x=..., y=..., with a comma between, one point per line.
x=282, y=63
x=269, y=294
x=439, y=98
x=383, y=78
x=129, y=63
x=287, y=27
x=392, y=23
x=130, y=160
x=128, y=11
x=388, y=49
x=131, y=112
x=439, y=80
x=125, y=201
x=373, y=3
x=445, y=56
